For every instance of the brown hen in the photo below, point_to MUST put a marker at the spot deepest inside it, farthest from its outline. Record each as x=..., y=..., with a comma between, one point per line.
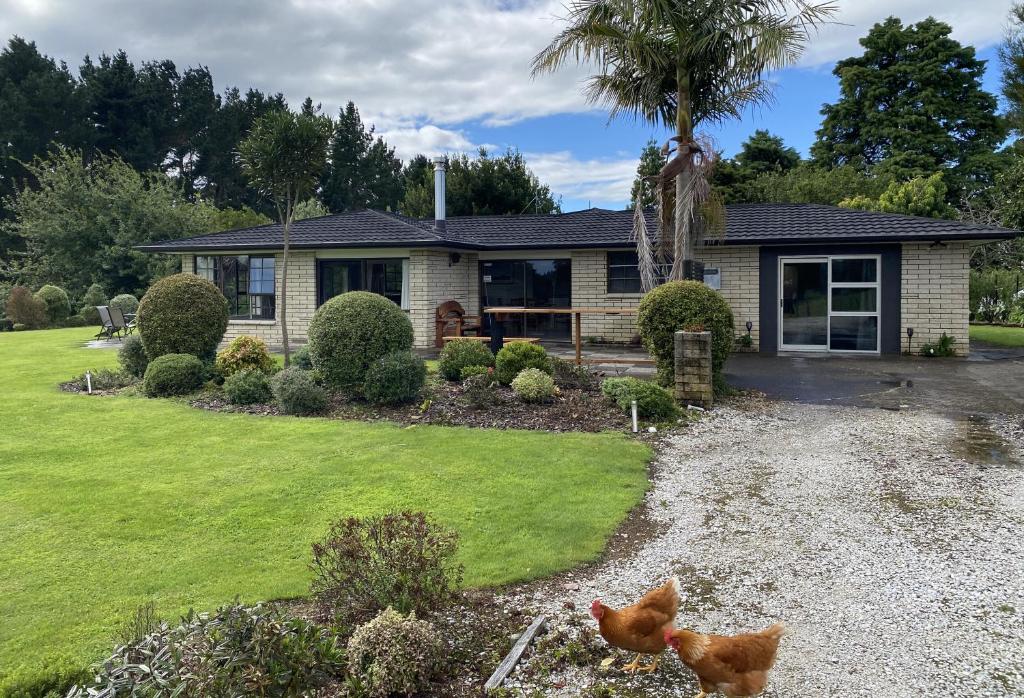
x=736, y=666
x=641, y=627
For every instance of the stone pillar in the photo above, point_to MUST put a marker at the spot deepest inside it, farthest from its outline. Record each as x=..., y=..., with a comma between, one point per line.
x=693, y=369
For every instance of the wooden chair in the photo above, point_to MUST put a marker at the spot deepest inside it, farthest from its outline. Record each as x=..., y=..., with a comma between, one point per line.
x=453, y=321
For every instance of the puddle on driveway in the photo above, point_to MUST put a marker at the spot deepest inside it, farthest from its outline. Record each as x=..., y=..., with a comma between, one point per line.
x=976, y=442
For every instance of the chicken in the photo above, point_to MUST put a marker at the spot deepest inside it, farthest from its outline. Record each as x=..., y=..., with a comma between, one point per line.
x=641, y=627
x=737, y=666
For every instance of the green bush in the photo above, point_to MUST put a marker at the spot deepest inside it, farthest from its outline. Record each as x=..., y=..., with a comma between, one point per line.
x=300, y=358
x=104, y=379
x=568, y=375
x=58, y=305
x=25, y=309
x=460, y=353
x=516, y=356
x=533, y=385
x=74, y=321
x=173, y=374
x=395, y=378
x=248, y=387
x=394, y=655
x=94, y=296
x=126, y=302
x=297, y=393
x=480, y=391
x=243, y=353
x=350, y=332
x=54, y=677
x=942, y=348
x=132, y=356
x=182, y=314
x=677, y=305
x=19, y=327
x=470, y=371
x=652, y=401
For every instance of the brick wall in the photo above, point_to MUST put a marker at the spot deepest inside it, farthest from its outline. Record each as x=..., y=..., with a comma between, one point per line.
x=740, y=267
x=433, y=279
x=935, y=294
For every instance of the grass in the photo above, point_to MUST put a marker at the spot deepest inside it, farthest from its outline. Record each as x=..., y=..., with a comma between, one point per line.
x=996, y=334
x=107, y=503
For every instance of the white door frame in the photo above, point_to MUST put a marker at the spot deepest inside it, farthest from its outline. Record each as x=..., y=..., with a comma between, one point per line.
x=809, y=259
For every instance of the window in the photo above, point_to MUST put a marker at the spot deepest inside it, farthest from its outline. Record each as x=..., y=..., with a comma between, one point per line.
x=853, y=303
x=386, y=277
x=624, y=273
x=246, y=281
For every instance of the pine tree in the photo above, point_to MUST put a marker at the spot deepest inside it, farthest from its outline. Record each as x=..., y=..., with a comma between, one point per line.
x=651, y=162
x=1011, y=58
x=363, y=172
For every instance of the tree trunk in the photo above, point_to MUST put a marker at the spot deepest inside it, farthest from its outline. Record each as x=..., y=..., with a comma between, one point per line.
x=683, y=247
x=284, y=282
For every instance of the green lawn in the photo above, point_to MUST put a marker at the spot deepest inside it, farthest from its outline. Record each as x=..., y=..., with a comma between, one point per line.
x=994, y=334
x=107, y=503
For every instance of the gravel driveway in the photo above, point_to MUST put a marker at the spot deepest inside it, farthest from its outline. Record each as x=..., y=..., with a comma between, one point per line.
x=889, y=542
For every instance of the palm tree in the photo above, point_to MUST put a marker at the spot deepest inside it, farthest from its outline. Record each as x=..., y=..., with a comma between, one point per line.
x=680, y=64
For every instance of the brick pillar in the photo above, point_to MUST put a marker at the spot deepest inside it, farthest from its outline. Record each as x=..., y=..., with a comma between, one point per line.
x=693, y=368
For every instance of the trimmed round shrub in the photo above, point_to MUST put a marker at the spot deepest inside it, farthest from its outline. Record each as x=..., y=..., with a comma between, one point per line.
x=25, y=309
x=58, y=305
x=94, y=296
x=678, y=305
x=182, y=314
x=652, y=401
x=297, y=393
x=126, y=302
x=248, y=387
x=394, y=655
x=132, y=356
x=243, y=353
x=515, y=357
x=173, y=374
x=533, y=385
x=395, y=378
x=461, y=353
x=300, y=358
x=350, y=332
x=74, y=321
x=470, y=371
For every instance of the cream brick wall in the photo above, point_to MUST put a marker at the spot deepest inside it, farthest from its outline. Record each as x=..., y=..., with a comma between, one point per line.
x=934, y=294
x=433, y=280
x=740, y=267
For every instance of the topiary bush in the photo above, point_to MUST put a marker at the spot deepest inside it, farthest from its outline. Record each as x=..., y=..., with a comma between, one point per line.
x=350, y=332
x=533, y=385
x=297, y=393
x=674, y=306
x=248, y=387
x=395, y=378
x=58, y=305
x=243, y=353
x=652, y=401
x=394, y=655
x=94, y=296
x=173, y=374
x=132, y=356
x=300, y=358
x=126, y=302
x=182, y=314
x=25, y=309
x=517, y=356
x=461, y=353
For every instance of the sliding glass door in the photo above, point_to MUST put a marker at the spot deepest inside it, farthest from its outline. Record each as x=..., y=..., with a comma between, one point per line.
x=529, y=283
x=804, y=304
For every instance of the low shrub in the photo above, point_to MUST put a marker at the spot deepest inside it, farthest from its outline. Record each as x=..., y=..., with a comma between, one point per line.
x=652, y=401
x=515, y=357
x=395, y=655
x=462, y=353
x=94, y=296
x=104, y=379
x=54, y=677
x=470, y=371
x=300, y=358
x=58, y=305
x=19, y=327
x=243, y=353
x=568, y=375
x=132, y=356
x=942, y=348
x=182, y=314
x=481, y=391
x=173, y=374
x=297, y=393
x=395, y=378
x=401, y=559
x=126, y=302
x=533, y=385
x=248, y=387
x=74, y=321
x=25, y=309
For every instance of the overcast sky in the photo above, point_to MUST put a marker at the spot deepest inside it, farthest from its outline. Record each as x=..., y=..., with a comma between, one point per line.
x=451, y=75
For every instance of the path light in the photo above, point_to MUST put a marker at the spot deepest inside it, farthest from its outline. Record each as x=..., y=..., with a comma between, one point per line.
x=633, y=409
x=910, y=335
x=88, y=382
x=750, y=326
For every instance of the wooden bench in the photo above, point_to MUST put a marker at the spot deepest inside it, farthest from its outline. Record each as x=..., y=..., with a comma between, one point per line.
x=508, y=340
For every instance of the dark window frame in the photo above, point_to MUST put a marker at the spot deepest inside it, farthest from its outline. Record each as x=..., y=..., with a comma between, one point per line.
x=258, y=306
x=366, y=282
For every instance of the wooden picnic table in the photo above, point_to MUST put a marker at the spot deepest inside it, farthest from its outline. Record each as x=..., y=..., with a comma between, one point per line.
x=576, y=312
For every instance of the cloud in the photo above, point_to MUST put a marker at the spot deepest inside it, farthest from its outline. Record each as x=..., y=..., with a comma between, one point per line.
x=603, y=182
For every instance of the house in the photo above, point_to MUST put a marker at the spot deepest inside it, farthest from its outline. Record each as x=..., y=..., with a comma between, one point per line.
x=806, y=277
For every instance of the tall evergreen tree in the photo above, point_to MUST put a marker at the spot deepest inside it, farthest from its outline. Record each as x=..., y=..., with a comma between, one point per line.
x=761, y=154
x=644, y=187
x=1011, y=58
x=363, y=172
x=195, y=109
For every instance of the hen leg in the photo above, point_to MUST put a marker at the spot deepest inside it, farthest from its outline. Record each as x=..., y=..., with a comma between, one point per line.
x=633, y=665
x=652, y=667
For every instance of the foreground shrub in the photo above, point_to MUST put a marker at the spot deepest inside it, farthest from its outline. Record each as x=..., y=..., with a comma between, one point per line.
x=132, y=356
x=94, y=296
x=248, y=387
x=679, y=305
x=939, y=349
x=126, y=302
x=481, y=390
x=533, y=385
x=55, y=677
x=350, y=332
x=395, y=378
x=243, y=353
x=297, y=393
x=173, y=374
x=462, y=353
x=652, y=401
x=300, y=358
x=394, y=655
x=58, y=305
x=182, y=314
x=104, y=379
x=470, y=371
x=25, y=309
x=568, y=375
x=401, y=560
x=515, y=357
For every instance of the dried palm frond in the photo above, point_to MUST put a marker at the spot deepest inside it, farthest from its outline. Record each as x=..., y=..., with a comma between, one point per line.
x=645, y=250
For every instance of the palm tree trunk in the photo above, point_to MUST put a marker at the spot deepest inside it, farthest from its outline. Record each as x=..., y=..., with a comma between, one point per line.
x=683, y=247
x=284, y=281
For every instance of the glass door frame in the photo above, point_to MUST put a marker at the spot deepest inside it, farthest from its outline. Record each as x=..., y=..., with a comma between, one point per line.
x=876, y=284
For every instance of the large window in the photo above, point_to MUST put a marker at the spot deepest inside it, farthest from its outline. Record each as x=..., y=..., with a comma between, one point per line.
x=386, y=277
x=246, y=281
x=528, y=283
x=624, y=272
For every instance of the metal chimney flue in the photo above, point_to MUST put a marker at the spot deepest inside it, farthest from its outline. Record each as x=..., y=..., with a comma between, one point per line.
x=439, y=193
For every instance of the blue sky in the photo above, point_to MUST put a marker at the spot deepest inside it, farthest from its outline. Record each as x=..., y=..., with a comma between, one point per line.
x=448, y=76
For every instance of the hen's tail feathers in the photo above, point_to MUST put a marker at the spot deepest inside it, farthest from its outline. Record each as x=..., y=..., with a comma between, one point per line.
x=674, y=583
x=775, y=632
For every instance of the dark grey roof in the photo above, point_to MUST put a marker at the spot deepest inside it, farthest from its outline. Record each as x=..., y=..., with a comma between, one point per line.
x=746, y=224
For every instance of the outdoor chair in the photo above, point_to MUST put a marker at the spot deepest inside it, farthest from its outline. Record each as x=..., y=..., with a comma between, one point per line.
x=452, y=321
x=107, y=327
x=123, y=327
